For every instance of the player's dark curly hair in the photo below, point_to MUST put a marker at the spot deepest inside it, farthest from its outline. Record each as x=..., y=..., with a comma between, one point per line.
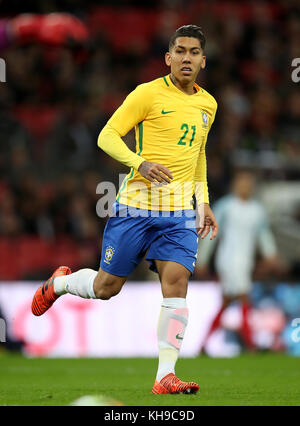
x=188, y=31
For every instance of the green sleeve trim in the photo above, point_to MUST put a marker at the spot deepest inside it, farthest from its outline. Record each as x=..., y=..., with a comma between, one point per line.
x=124, y=183
x=140, y=138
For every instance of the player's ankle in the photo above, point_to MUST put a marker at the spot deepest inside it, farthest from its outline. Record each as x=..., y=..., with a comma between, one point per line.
x=59, y=285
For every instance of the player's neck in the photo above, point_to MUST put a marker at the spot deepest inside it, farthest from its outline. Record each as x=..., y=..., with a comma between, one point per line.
x=188, y=89
x=243, y=197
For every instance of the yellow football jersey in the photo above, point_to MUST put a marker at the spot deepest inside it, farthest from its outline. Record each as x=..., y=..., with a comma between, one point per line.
x=171, y=129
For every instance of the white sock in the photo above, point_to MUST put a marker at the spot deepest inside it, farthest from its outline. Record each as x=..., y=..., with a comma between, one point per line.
x=170, y=332
x=80, y=283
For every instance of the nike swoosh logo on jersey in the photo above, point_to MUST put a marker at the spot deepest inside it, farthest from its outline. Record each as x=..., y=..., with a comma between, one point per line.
x=166, y=112
x=178, y=337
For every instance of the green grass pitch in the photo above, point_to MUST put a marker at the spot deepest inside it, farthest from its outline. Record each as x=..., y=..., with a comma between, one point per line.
x=267, y=379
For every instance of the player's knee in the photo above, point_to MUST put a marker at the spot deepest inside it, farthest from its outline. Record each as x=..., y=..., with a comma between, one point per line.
x=176, y=287
x=180, y=282
x=105, y=290
x=103, y=294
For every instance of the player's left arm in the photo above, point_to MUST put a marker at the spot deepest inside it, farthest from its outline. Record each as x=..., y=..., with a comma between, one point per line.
x=207, y=219
x=132, y=112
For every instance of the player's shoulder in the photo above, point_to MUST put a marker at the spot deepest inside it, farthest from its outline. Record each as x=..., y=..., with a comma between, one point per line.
x=146, y=92
x=150, y=85
x=210, y=99
x=258, y=205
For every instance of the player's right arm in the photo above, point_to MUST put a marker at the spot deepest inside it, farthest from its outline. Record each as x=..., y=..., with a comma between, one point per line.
x=134, y=110
x=207, y=218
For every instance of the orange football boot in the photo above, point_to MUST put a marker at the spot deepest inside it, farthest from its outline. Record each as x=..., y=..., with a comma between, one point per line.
x=171, y=384
x=45, y=296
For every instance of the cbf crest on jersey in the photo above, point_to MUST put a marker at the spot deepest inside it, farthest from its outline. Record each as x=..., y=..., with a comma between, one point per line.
x=204, y=119
x=109, y=254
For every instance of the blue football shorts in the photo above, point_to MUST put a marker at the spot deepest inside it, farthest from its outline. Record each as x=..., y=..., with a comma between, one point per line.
x=132, y=233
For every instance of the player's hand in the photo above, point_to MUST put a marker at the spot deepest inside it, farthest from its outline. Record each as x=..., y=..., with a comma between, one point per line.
x=207, y=222
x=155, y=172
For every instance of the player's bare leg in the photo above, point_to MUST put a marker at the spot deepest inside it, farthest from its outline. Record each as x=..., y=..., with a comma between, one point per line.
x=173, y=277
x=107, y=285
x=171, y=327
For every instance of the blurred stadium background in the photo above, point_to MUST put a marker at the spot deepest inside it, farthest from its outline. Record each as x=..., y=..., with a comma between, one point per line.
x=61, y=87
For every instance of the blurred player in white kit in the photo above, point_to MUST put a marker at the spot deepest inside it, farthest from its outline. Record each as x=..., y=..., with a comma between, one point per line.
x=244, y=227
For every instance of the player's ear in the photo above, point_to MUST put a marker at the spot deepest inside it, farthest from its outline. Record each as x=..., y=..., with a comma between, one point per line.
x=168, y=59
x=203, y=62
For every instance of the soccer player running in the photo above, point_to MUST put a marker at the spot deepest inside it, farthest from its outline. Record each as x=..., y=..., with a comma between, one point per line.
x=245, y=227
x=154, y=211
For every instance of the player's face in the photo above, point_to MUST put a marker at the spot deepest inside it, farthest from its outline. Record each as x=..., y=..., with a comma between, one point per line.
x=185, y=59
x=244, y=185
